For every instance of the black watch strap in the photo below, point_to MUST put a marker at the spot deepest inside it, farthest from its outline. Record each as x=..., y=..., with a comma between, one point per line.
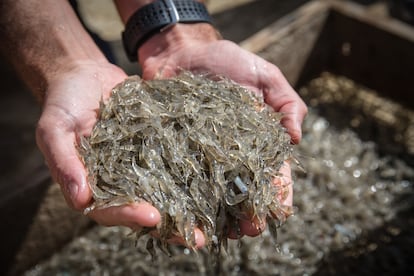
x=156, y=17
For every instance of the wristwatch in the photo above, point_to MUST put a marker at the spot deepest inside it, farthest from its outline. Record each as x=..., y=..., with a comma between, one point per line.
x=157, y=17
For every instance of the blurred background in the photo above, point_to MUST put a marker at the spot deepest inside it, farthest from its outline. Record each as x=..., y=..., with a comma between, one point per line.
x=352, y=62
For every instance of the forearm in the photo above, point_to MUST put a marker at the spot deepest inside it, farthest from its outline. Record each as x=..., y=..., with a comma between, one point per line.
x=42, y=39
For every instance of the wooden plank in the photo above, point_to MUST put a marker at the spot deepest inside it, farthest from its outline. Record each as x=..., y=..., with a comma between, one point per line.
x=380, y=60
x=285, y=26
x=289, y=41
x=375, y=16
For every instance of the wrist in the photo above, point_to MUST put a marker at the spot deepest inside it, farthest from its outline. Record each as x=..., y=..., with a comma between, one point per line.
x=158, y=17
x=67, y=73
x=53, y=71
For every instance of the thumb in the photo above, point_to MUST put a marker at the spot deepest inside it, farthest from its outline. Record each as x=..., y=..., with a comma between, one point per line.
x=57, y=144
x=293, y=115
x=293, y=109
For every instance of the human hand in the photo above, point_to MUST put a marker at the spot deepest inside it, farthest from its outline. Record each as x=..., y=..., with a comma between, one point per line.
x=197, y=48
x=70, y=111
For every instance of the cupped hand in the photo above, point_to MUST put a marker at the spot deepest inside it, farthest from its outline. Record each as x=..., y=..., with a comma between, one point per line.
x=208, y=54
x=70, y=110
x=225, y=58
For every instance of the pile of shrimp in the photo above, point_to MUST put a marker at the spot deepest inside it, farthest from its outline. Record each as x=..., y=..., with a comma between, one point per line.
x=204, y=152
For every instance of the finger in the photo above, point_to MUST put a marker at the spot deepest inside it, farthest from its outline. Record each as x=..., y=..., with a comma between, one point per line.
x=199, y=238
x=255, y=226
x=285, y=182
x=134, y=216
x=293, y=110
x=293, y=114
x=280, y=95
x=58, y=146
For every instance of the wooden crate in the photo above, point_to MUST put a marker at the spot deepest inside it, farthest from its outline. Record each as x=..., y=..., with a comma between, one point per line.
x=374, y=50
x=362, y=43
